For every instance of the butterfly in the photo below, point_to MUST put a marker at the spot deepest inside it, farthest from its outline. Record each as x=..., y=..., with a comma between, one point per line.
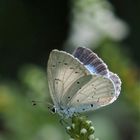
x=80, y=82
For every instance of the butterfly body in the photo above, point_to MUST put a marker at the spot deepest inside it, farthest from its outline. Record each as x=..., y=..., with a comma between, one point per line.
x=80, y=82
x=65, y=112
x=69, y=111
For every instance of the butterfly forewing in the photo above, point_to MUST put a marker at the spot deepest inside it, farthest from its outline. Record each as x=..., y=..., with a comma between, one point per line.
x=63, y=71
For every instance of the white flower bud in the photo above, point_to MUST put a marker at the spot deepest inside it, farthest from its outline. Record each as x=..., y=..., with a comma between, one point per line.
x=83, y=131
x=71, y=139
x=91, y=137
x=73, y=125
x=92, y=128
x=68, y=128
x=88, y=122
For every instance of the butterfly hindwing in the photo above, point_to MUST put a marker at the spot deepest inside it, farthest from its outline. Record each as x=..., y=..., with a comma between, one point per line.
x=98, y=92
x=91, y=60
x=74, y=88
x=117, y=83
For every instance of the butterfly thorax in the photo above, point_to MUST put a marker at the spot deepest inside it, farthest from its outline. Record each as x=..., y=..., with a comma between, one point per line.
x=64, y=112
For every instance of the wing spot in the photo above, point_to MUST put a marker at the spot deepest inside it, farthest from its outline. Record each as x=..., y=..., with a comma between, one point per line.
x=77, y=100
x=65, y=63
x=68, y=97
x=56, y=80
x=83, y=109
x=78, y=82
x=91, y=105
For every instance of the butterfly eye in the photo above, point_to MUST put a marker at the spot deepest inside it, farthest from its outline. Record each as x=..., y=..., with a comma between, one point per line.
x=53, y=110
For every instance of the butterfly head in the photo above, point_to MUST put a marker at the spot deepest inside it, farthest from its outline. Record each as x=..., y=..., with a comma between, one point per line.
x=63, y=112
x=52, y=109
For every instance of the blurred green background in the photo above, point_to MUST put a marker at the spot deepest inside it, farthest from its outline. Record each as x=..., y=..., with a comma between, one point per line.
x=30, y=29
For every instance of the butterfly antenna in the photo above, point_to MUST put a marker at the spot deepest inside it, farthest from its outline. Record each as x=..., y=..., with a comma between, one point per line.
x=35, y=102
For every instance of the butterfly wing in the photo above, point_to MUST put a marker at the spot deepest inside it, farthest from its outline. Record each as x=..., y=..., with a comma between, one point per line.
x=63, y=71
x=91, y=61
x=103, y=89
x=117, y=83
x=98, y=92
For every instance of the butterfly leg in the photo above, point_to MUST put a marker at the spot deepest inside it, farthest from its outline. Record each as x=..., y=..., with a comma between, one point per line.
x=63, y=122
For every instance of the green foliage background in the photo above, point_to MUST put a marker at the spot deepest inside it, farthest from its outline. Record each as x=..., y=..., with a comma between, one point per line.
x=19, y=120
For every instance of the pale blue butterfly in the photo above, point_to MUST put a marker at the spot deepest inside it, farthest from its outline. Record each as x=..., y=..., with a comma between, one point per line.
x=80, y=82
